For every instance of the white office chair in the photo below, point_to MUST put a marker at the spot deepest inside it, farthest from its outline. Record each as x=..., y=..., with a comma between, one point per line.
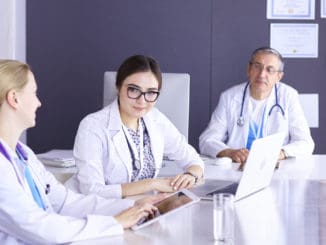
x=173, y=100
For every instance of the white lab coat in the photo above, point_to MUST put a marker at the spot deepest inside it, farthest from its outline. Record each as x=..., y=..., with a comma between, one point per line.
x=103, y=157
x=68, y=217
x=223, y=131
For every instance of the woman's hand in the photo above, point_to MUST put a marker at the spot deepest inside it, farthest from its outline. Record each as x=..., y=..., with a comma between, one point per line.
x=193, y=174
x=132, y=215
x=184, y=180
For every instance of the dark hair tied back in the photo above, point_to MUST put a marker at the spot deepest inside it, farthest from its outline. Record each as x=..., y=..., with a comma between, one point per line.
x=135, y=64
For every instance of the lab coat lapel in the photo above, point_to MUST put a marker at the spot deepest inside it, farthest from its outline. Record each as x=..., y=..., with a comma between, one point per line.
x=35, y=171
x=118, y=138
x=20, y=173
x=269, y=119
x=40, y=186
x=121, y=146
x=157, y=140
x=16, y=166
x=246, y=114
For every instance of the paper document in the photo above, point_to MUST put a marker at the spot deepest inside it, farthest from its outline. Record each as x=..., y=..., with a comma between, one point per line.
x=57, y=158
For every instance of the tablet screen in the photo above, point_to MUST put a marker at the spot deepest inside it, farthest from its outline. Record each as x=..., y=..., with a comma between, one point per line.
x=169, y=204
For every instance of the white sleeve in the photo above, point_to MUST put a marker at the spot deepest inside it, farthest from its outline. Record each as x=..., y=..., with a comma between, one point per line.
x=21, y=218
x=89, y=148
x=79, y=205
x=300, y=140
x=176, y=146
x=211, y=141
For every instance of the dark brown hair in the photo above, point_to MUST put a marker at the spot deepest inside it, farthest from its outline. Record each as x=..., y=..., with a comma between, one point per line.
x=135, y=64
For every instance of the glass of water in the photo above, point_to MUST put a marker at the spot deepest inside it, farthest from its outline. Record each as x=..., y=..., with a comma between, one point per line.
x=223, y=213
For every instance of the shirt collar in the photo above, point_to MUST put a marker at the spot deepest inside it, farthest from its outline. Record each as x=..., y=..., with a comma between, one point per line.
x=9, y=153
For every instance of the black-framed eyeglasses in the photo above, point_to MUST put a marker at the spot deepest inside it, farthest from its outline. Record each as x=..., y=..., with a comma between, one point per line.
x=135, y=93
x=260, y=67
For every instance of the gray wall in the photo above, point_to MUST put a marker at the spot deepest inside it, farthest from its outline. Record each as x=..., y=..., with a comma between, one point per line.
x=71, y=43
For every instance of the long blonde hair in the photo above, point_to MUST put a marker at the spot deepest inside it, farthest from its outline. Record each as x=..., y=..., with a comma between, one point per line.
x=13, y=75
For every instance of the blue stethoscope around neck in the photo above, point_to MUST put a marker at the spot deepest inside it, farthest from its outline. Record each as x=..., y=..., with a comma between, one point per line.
x=240, y=121
x=23, y=156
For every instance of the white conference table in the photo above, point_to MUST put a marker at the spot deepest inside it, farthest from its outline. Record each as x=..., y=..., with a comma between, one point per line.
x=272, y=216
x=291, y=211
x=309, y=167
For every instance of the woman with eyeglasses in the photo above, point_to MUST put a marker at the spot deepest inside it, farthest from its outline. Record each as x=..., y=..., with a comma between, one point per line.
x=34, y=207
x=119, y=150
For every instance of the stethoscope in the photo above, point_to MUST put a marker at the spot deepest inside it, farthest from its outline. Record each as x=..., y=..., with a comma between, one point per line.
x=240, y=121
x=136, y=162
x=23, y=156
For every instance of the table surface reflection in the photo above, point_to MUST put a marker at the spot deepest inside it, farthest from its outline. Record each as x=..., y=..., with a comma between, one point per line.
x=311, y=167
x=288, y=212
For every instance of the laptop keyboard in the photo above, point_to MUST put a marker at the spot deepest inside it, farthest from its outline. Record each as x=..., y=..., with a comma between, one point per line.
x=227, y=189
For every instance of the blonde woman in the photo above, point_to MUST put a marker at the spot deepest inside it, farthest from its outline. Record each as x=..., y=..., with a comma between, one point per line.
x=34, y=207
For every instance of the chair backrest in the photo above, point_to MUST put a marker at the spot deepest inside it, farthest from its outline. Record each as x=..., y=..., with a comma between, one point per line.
x=173, y=100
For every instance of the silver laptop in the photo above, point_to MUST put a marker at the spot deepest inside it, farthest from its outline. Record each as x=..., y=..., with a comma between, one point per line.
x=257, y=173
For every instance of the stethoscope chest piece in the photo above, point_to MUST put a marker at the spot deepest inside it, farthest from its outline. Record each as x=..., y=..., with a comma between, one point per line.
x=240, y=121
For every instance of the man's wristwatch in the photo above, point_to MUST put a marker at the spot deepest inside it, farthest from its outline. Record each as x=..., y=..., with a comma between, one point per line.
x=193, y=175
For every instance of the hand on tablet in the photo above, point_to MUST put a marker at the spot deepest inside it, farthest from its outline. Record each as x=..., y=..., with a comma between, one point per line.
x=167, y=206
x=132, y=215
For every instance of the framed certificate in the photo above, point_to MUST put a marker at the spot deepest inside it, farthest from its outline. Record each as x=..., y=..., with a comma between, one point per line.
x=291, y=9
x=295, y=40
x=323, y=8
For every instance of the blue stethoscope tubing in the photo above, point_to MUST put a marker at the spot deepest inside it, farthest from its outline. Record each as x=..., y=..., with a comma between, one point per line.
x=240, y=121
x=22, y=153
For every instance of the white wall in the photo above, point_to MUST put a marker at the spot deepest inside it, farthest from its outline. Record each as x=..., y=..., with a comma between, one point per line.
x=13, y=32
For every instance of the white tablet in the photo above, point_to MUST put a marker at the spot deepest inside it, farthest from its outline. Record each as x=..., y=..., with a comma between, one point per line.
x=169, y=205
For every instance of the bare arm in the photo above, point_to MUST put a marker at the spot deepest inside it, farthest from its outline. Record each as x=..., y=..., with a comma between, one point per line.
x=146, y=185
